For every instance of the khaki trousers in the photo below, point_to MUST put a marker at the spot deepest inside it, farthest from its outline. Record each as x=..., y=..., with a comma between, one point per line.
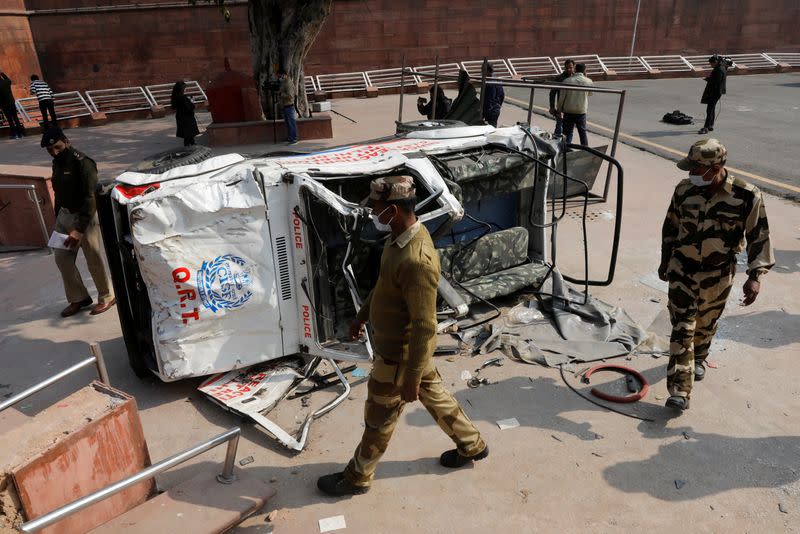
x=383, y=409
x=92, y=246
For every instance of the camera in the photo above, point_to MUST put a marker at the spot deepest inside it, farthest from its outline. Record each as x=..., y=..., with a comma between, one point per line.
x=272, y=85
x=724, y=61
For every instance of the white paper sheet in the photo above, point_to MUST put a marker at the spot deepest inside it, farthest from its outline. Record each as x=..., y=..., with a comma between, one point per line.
x=505, y=424
x=57, y=241
x=332, y=523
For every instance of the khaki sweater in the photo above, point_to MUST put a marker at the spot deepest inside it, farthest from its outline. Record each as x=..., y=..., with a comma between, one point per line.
x=402, y=306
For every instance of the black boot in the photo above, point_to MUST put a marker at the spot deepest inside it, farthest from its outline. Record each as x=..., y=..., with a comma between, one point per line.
x=699, y=370
x=338, y=486
x=454, y=459
x=677, y=403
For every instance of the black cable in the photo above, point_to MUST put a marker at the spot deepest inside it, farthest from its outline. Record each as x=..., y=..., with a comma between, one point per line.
x=609, y=408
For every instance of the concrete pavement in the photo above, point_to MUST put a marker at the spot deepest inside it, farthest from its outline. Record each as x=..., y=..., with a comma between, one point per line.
x=569, y=467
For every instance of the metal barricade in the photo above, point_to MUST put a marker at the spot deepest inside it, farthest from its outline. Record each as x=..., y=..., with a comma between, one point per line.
x=501, y=68
x=624, y=64
x=387, y=78
x=337, y=83
x=231, y=437
x=310, y=84
x=667, y=63
x=119, y=100
x=161, y=94
x=533, y=67
x=449, y=71
x=68, y=105
x=96, y=359
x=594, y=65
x=753, y=61
x=790, y=58
x=34, y=197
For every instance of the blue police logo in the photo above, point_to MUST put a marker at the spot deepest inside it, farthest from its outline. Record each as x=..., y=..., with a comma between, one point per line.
x=224, y=283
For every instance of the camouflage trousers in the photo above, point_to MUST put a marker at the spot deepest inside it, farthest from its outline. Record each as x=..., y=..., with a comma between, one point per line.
x=696, y=301
x=383, y=409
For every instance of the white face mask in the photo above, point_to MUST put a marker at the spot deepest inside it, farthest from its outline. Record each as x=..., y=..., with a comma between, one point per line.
x=699, y=179
x=381, y=227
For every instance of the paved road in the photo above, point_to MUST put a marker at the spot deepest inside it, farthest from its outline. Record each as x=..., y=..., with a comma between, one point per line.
x=759, y=121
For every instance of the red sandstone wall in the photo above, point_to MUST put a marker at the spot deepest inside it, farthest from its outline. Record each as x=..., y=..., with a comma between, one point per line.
x=17, y=51
x=134, y=47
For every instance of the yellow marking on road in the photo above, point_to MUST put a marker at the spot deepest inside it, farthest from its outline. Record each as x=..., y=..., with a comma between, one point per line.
x=734, y=170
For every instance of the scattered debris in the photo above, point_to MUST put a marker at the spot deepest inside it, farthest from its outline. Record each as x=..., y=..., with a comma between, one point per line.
x=713, y=365
x=247, y=460
x=476, y=381
x=749, y=405
x=465, y=375
x=505, y=424
x=524, y=314
x=330, y=524
x=556, y=438
x=359, y=372
x=451, y=358
x=657, y=301
x=448, y=325
x=305, y=402
x=598, y=455
x=272, y=516
x=782, y=508
x=660, y=397
x=679, y=484
x=273, y=480
x=686, y=435
x=632, y=378
x=524, y=493
x=294, y=471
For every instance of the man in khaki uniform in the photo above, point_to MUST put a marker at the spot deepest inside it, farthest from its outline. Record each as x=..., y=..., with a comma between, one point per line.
x=74, y=181
x=402, y=312
x=710, y=216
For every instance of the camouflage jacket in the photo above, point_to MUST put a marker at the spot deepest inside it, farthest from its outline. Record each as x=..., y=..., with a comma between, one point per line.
x=703, y=232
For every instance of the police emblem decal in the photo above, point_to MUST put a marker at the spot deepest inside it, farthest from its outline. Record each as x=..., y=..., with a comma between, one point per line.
x=224, y=283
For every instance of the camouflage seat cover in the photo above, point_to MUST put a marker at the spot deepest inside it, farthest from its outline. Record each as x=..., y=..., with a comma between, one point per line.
x=490, y=254
x=495, y=265
x=502, y=283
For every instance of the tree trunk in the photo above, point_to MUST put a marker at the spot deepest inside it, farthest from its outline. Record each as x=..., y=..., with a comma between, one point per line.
x=281, y=34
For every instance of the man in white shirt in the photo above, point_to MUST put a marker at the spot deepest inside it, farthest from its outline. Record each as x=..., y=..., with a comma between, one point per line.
x=573, y=105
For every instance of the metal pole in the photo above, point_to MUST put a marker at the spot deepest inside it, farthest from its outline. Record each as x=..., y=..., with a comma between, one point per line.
x=227, y=476
x=483, y=84
x=633, y=38
x=101, y=363
x=402, y=89
x=40, y=216
x=614, y=141
x=530, y=106
x=41, y=385
x=75, y=506
x=435, y=89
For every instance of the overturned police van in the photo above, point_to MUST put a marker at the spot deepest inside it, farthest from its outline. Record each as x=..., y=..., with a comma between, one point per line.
x=232, y=261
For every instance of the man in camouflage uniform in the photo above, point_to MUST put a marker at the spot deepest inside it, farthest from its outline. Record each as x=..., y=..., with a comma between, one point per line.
x=710, y=216
x=402, y=312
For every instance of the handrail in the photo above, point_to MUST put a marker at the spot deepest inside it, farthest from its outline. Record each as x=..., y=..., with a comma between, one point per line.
x=34, y=197
x=227, y=476
x=96, y=358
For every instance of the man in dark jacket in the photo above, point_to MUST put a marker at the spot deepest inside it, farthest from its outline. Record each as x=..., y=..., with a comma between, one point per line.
x=16, y=130
x=492, y=100
x=442, y=104
x=569, y=70
x=715, y=88
x=74, y=181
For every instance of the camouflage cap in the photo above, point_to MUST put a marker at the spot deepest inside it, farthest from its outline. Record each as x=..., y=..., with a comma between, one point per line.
x=392, y=188
x=704, y=152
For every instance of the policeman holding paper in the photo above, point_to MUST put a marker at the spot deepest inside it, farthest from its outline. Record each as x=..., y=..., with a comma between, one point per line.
x=74, y=181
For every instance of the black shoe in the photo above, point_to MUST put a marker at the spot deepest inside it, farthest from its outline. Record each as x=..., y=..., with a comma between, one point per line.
x=699, y=370
x=710, y=128
x=337, y=486
x=703, y=131
x=677, y=403
x=454, y=459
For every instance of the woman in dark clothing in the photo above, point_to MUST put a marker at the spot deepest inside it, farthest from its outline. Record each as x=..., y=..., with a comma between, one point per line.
x=184, y=114
x=442, y=104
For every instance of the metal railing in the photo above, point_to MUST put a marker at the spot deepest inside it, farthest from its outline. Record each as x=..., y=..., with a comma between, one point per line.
x=388, y=78
x=624, y=64
x=161, y=94
x=753, y=61
x=226, y=477
x=96, y=358
x=499, y=66
x=68, y=105
x=347, y=81
x=668, y=63
x=594, y=65
x=790, y=58
x=311, y=84
x=445, y=69
x=533, y=67
x=34, y=197
x=118, y=100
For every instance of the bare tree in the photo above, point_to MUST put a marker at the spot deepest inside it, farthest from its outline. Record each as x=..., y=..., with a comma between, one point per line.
x=281, y=34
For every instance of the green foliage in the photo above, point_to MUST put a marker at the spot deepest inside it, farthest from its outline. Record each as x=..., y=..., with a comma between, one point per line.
x=219, y=3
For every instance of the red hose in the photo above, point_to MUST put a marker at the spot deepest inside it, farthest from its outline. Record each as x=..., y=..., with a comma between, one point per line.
x=633, y=397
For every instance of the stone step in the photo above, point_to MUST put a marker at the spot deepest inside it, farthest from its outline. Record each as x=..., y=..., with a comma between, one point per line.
x=200, y=505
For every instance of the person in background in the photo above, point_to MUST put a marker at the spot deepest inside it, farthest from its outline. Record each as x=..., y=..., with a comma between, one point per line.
x=575, y=104
x=16, y=130
x=47, y=104
x=493, y=100
x=74, y=181
x=442, y=104
x=569, y=70
x=715, y=88
x=288, y=101
x=184, y=114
